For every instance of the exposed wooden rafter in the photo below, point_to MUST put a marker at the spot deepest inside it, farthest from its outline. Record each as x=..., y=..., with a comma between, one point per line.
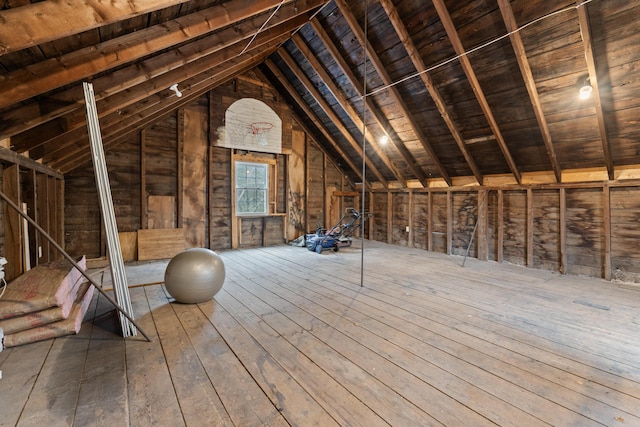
x=120, y=102
x=312, y=116
x=420, y=66
x=380, y=69
x=135, y=116
x=527, y=75
x=310, y=88
x=585, y=31
x=50, y=74
x=345, y=105
x=31, y=115
x=40, y=22
x=455, y=41
x=378, y=115
x=78, y=154
x=264, y=81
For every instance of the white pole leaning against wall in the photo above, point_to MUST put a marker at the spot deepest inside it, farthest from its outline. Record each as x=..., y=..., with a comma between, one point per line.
x=116, y=264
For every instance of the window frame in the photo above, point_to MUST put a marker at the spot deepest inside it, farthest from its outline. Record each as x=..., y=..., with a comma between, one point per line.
x=238, y=189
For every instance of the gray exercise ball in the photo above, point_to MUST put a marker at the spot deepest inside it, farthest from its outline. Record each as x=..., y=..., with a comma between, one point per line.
x=194, y=275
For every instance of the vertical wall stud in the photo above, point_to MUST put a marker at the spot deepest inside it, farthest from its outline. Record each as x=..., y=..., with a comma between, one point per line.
x=180, y=167
x=449, y=221
x=410, y=238
x=483, y=214
x=607, y=231
x=563, y=231
x=500, y=242
x=429, y=221
x=529, y=231
x=144, y=207
x=389, y=217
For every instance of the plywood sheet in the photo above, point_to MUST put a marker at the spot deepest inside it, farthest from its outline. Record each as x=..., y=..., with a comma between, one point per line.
x=160, y=243
x=194, y=184
x=296, y=197
x=161, y=212
x=129, y=245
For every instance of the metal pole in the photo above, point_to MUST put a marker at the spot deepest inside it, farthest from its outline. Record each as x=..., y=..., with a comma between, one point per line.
x=75, y=264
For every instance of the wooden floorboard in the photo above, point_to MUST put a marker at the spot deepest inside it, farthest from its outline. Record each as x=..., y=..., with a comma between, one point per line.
x=293, y=339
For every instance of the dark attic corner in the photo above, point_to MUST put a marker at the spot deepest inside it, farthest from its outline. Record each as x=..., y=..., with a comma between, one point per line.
x=311, y=212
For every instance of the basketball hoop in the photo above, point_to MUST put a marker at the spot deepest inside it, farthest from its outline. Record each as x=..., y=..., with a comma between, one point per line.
x=261, y=130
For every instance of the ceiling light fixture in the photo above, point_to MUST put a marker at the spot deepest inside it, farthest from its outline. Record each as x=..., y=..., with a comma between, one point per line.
x=174, y=87
x=384, y=139
x=586, y=89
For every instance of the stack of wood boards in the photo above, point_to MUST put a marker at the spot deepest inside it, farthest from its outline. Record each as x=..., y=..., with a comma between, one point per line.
x=46, y=302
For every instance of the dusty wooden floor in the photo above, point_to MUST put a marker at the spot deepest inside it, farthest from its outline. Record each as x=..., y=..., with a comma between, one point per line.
x=292, y=339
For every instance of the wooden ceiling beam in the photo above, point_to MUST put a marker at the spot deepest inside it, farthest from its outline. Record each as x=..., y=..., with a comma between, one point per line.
x=265, y=82
x=527, y=76
x=44, y=21
x=311, y=115
x=28, y=117
x=420, y=66
x=79, y=154
x=11, y=156
x=310, y=88
x=587, y=40
x=378, y=115
x=76, y=121
x=53, y=73
x=455, y=41
x=345, y=105
x=386, y=79
x=126, y=119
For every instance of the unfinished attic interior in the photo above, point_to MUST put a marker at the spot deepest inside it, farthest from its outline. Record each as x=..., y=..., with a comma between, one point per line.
x=478, y=160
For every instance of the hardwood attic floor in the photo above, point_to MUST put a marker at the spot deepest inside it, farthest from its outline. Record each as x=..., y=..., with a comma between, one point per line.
x=292, y=339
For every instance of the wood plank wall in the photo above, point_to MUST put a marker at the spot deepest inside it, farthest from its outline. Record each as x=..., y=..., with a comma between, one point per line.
x=175, y=166
x=42, y=192
x=584, y=228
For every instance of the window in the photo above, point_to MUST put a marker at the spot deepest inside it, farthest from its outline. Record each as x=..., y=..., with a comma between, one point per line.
x=252, y=186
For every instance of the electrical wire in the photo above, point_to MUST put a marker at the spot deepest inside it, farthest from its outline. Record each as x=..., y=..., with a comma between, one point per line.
x=477, y=48
x=261, y=28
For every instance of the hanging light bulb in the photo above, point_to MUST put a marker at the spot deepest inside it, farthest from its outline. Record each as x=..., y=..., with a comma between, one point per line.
x=585, y=90
x=384, y=139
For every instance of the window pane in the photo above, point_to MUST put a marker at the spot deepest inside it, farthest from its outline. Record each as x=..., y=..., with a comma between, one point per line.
x=252, y=187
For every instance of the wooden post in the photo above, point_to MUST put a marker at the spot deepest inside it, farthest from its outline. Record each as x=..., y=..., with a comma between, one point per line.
x=429, y=226
x=563, y=230
x=483, y=214
x=449, y=221
x=410, y=238
x=144, y=206
x=12, y=224
x=59, y=225
x=52, y=202
x=210, y=202
x=42, y=218
x=180, y=166
x=529, y=236
x=328, y=221
x=235, y=221
x=607, y=231
x=500, y=242
x=389, y=217
x=307, y=176
x=371, y=206
x=210, y=178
